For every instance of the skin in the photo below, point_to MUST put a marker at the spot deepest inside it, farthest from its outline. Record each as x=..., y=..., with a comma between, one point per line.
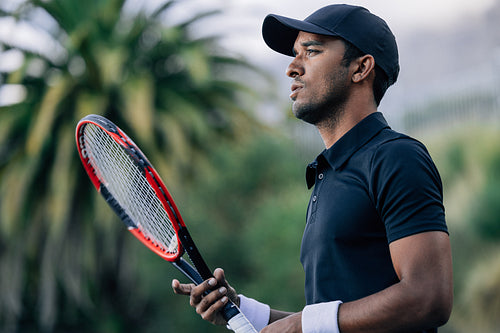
x=334, y=98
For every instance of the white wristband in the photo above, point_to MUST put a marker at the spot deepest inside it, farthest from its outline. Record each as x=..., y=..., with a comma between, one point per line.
x=257, y=313
x=321, y=318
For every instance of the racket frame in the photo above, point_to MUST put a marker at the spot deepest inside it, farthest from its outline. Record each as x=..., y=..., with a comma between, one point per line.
x=185, y=243
x=149, y=172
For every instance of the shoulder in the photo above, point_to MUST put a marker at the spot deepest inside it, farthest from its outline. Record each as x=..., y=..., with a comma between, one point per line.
x=402, y=162
x=390, y=140
x=406, y=187
x=397, y=148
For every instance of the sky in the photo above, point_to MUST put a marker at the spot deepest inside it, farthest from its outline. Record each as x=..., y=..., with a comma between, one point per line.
x=241, y=20
x=240, y=23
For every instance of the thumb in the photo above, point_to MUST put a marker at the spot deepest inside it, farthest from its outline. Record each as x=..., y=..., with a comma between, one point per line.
x=231, y=292
x=181, y=289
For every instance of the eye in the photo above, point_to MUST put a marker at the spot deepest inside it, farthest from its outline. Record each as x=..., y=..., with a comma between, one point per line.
x=311, y=52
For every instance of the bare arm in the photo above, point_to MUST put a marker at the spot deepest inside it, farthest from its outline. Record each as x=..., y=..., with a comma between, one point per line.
x=277, y=315
x=422, y=299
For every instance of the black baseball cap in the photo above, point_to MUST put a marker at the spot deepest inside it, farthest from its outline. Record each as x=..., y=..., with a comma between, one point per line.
x=355, y=24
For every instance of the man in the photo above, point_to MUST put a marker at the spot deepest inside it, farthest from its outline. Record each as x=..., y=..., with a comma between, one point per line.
x=375, y=249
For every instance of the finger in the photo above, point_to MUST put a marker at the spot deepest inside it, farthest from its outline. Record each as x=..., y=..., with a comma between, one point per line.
x=220, y=276
x=207, y=301
x=210, y=306
x=221, y=279
x=181, y=289
x=198, y=292
x=213, y=311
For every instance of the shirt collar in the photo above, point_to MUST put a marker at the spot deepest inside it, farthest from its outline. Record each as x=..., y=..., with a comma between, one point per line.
x=347, y=145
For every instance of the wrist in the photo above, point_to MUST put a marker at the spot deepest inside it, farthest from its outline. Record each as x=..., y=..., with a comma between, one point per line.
x=321, y=318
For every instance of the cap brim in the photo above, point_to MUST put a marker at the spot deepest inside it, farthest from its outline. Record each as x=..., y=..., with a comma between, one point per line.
x=280, y=32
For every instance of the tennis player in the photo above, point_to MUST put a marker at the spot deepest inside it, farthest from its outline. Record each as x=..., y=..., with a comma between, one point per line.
x=375, y=248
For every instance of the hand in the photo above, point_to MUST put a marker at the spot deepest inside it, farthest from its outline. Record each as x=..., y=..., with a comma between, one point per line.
x=289, y=324
x=208, y=306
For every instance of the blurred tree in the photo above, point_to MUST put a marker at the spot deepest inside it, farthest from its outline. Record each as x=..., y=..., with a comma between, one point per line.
x=469, y=161
x=485, y=210
x=257, y=199
x=62, y=263
x=251, y=205
x=480, y=302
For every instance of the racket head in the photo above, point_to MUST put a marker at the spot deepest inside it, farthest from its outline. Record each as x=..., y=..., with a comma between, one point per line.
x=127, y=180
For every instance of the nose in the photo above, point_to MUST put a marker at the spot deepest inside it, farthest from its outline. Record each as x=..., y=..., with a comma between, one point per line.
x=295, y=68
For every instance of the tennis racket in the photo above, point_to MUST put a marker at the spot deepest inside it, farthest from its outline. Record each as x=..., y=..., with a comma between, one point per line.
x=132, y=187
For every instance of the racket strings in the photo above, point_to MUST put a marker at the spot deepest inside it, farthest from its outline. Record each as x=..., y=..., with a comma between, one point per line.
x=127, y=183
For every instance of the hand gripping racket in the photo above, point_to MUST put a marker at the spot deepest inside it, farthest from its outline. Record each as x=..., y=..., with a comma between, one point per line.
x=132, y=187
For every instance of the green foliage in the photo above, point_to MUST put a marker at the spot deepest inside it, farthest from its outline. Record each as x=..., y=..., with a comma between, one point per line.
x=470, y=166
x=254, y=206
x=485, y=211
x=479, y=304
x=453, y=162
x=64, y=261
x=246, y=211
x=469, y=162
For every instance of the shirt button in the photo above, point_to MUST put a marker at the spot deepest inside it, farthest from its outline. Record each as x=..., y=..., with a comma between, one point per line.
x=320, y=176
x=315, y=198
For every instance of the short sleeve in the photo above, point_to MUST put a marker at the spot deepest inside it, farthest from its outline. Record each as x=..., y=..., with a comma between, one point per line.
x=406, y=188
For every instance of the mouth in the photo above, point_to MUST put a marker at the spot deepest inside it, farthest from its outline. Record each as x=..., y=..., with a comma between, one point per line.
x=296, y=86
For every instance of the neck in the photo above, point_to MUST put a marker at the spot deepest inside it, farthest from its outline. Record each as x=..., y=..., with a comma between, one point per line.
x=331, y=130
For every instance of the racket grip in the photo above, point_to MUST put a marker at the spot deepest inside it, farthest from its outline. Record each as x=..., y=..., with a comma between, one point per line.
x=240, y=324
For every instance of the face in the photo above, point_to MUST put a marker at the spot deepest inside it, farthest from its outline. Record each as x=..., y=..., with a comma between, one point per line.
x=320, y=81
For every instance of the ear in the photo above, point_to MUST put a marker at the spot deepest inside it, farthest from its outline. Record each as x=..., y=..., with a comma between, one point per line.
x=365, y=65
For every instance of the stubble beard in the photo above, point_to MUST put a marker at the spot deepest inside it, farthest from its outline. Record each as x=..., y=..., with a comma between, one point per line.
x=325, y=110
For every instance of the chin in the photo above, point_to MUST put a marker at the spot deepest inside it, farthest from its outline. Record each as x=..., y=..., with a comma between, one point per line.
x=305, y=113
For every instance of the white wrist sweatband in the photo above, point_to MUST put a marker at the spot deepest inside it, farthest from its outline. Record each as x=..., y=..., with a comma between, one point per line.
x=321, y=318
x=256, y=312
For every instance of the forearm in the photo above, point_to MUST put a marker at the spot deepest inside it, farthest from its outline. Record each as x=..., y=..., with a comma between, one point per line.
x=395, y=309
x=277, y=315
x=275, y=320
x=399, y=308
x=422, y=299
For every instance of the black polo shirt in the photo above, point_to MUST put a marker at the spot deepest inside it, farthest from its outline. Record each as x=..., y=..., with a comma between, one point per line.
x=372, y=187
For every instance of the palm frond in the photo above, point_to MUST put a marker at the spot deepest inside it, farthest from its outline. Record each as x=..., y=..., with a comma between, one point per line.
x=196, y=18
x=167, y=90
x=160, y=10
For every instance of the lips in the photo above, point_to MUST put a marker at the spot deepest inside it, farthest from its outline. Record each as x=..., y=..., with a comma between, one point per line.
x=296, y=86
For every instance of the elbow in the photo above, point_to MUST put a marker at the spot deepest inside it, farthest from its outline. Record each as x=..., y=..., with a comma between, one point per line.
x=438, y=308
x=445, y=308
x=440, y=314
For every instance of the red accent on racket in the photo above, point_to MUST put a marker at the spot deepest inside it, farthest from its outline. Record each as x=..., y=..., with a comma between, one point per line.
x=131, y=186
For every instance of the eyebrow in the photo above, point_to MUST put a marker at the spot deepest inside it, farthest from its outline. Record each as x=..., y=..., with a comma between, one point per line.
x=307, y=44
x=311, y=43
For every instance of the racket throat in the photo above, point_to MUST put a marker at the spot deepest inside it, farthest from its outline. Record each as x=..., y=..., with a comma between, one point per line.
x=186, y=269
x=193, y=253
